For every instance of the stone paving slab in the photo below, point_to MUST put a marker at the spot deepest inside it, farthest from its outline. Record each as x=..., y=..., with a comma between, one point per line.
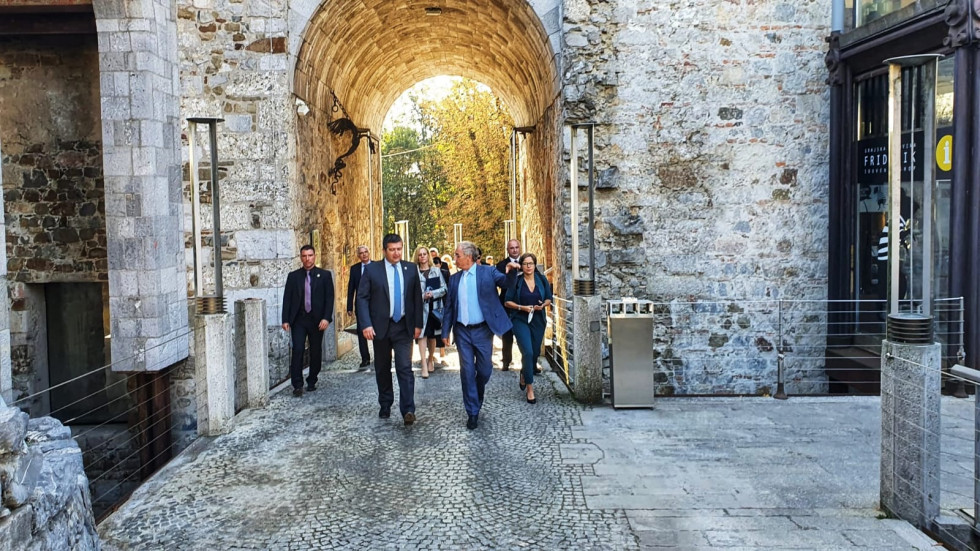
x=323, y=472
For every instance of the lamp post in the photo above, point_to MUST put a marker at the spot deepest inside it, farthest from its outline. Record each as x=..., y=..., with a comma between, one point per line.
x=911, y=327
x=206, y=304
x=582, y=287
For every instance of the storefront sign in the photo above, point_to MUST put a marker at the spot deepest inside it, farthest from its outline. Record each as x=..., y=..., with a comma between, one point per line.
x=944, y=153
x=872, y=158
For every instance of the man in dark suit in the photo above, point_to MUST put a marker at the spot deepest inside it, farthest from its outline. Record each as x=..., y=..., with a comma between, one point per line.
x=507, y=339
x=307, y=311
x=473, y=314
x=389, y=311
x=364, y=255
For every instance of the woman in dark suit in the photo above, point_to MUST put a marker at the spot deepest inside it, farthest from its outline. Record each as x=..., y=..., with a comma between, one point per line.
x=528, y=302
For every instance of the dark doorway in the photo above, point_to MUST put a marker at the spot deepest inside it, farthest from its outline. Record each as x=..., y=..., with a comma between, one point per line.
x=76, y=352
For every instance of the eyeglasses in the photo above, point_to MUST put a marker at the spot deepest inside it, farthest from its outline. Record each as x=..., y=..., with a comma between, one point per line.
x=527, y=264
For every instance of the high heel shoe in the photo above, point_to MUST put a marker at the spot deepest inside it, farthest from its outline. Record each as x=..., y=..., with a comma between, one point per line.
x=523, y=386
x=532, y=400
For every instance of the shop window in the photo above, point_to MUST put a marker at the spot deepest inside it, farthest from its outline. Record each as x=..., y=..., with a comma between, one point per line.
x=869, y=267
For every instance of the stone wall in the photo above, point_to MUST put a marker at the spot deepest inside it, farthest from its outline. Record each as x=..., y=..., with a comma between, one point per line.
x=52, y=163
x=235, y=64
x=45, y=495
x=53, y=189
x=29, y=345
x=139, y=88
x=710, y=146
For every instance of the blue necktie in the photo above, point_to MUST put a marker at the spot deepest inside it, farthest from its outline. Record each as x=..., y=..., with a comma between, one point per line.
x=397, y=316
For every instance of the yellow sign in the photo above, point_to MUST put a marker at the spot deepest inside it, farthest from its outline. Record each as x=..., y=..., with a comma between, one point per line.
x=944, y=153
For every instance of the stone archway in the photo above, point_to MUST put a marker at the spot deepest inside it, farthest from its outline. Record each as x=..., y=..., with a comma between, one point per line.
x=356, y=58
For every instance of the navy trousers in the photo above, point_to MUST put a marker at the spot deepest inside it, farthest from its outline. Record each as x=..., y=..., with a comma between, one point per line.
x=528, y=337
x=474, y=346
x=399, y=341
x=303, y=328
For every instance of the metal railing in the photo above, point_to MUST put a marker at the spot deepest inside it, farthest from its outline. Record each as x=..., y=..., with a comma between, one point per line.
x=780, y=347
x=559, y=340
x=127, y=428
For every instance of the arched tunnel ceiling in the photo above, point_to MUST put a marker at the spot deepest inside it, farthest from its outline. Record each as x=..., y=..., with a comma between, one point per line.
x=370, y=51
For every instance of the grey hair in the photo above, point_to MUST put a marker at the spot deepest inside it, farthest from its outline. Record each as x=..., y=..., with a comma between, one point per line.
x=469, y=249
x=359, y=247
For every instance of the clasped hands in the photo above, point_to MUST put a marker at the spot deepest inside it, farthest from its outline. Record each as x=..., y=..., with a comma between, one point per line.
x=322, y=327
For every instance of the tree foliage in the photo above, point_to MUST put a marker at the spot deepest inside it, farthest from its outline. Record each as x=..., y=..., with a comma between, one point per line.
x=471, y=131
x=415, y=188
x=453, y=168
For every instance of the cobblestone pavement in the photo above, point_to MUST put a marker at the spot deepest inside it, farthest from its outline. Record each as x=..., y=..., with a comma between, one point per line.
x=324, y=472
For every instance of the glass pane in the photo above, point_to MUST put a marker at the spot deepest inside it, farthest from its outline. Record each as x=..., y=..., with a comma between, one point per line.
x=867, y=11
x=872, y=232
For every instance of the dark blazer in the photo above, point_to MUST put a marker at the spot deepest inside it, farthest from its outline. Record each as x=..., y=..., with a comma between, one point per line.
x=321, y=287
x=511, y=277
x=487, y=281
x=514, y=293
x=352, y=283
x=373, y=302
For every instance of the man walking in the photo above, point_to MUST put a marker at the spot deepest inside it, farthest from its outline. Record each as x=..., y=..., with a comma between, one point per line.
x=507, y=339
x=364, y=255
x=389, y=311
x=473, y=314
x=307, y=311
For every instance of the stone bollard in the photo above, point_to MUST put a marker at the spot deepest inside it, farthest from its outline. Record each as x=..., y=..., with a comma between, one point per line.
x=910, y=424
x=254, y=351
x=587, y=312
x=214, y=375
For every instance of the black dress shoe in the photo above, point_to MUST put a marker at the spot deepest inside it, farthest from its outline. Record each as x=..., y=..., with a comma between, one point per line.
x=297, y=392
x=472, y=422
x=505, y=367
x=385, y=413
x=310, y=388
x=365, y=363
x=409, y=418
x=537, y=370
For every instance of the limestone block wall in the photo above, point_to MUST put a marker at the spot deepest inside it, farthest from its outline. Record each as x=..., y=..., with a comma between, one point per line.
x=139, y=88
x=711, y=146
x=45, y=496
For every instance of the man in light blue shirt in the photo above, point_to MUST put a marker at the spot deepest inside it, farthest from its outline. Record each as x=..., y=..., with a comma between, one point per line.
x=473, y=315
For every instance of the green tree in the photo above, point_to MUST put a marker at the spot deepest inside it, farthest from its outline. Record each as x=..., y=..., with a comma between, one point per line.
x=471, y=131
x=414, y=187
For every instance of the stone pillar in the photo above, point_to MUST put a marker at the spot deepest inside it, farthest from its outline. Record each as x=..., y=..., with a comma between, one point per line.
x=254, y=351
x=214, y=374
x=910, y=402
x=6, y=376
x=139, y=87
x=587, y=316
